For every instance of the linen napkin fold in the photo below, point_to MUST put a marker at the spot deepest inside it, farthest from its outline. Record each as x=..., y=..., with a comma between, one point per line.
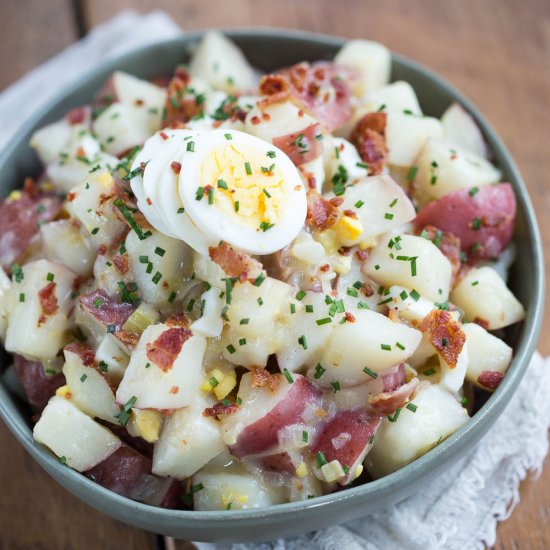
x=458, y=510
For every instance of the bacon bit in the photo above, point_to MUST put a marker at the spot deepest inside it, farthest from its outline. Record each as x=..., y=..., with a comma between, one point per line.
x=445, y=335
x=178, y=320
x=121, y=263
x=350, y=318
x=321, y=213
x=234, y=262
x=490, y=379
x=388, y=402
x=301, y=146
x=163, y=135
x=482, y=322
x=274, y=85
x=71, y=196
x=262, y=377
x=311, y=182
x=76, y=116
x=102, y=249
x=48, y=302
x=350, y=213
x=127, y=337
x=165, y=285
x=30, y=187
x=148, y=201
x=266, y=117
x=166, y=348
x=393, y=315
x=176, y=167
x=80, y=153
x=369, y=136
x=174, y=390
x=368, y=290
x=139, y=103
x=449, y=244
x=324, y=268
x=220, y=408
x=255, y=120
x=142, y=166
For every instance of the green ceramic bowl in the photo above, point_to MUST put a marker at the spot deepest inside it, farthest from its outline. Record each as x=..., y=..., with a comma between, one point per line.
x=267, y=50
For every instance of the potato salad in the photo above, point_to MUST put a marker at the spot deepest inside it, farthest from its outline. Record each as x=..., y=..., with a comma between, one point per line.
x=229, y=290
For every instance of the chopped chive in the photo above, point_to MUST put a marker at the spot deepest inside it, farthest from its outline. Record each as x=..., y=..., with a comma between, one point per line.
x=157, y=277
x=181, y=210
x=172, y=297
x=414, y=295
x=393, y=202
x=50, y=277
x=265, y=226
x=358, y=204
x=411, y=174
x=83, y=377
x=247, y=168
x=288, y=376
x=127, y=215
x=371, y=373
x=303, y=341
x=319, y=371
x=412, y=407
x=473, y=191
x=388, y=216
x=386, y=301
x=385, y=347
x=228, y=137
x=210, y=195
x=324, y=321
x=309, y=308
x=400, y=346
x=191, y=146
x=395, y=416
x=160, y=251
x=199, y=194
x=260, y=279
x=300, y=295
x=403, y=295
x=222, y=184
x=362, y=165
x=98, y=302
x=428, y=372
x=236, y=206
x=231, y=348
x=244, y=321
x=95, y=231
x=413, y=265
x=17, y=272
x=475, y=283
x=352, y=292
x=271, y=154
x=190, y=304
x=260, y=301
x=376, y=267
x=242, y=342
x=320, y=459
x=292, y=309
x=335, y=386
x=266, y=193
x=475, y=224
x=305, y=436
x=21, y=296
x=144, y=259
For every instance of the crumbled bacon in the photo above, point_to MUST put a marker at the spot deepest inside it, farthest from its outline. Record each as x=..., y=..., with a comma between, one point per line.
x=221, y=408
x=48, y=302
x=262, y=377
x=445, y=335
x=447, y=242
x=76, y=115
x=482, y=322
x=126, y=337
x=234, y=262
x=121, y=263
x=166, y=348
x=490, y=379
x=369, y=138
x=350, y=318
x=180, y=108
x=321, y=213
x=71, y=196
x=176, y=167
x=178, y=320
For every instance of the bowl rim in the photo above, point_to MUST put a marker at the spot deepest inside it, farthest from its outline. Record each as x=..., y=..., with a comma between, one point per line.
x=421, y=467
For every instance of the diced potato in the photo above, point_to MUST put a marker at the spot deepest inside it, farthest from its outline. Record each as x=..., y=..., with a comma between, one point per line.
x=112, y=352
x=380, y=205
x=398, y=97
x=210, y=324
x=371, y=60
x=409, y=308
x=97, y=215
x=452, y=378
x=444, y=167
x=63, y=242
x=460, y=127
x=372, y=341
x=437, y=416
x=486, y=353
x=171, y=260
x=140, y=93
x=50, y=140
x=221, y=491
x=187, y=442
x=406, y=136
x=31, y=332
x=89, y=390
x=341, y=156
x=222, y=64
x=414, y=263
x=283, y=118
x=484, y=297
x=73, y=436
x=159, y=386
x=121, y=126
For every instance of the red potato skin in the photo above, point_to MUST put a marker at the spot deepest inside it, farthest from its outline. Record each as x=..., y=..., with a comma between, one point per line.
x=361, y=425
x=110, y=311
x=492, y=210
x=301, y=147
x=261, y=435
x=37, y=385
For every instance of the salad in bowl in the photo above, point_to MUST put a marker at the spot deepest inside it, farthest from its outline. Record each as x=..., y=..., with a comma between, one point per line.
x=228, y=290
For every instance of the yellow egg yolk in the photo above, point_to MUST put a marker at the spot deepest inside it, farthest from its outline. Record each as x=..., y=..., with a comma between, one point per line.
x=245, y=184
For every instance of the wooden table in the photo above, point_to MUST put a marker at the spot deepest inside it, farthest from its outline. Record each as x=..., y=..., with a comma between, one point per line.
x=496, y=51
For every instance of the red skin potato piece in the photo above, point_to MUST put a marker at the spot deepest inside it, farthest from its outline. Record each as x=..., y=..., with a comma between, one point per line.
x=301, y=147
x=490, y=379
x=484, y=222
x=110, y=311
x=361, y=427
x=19, y=222
x=37, y=385
x=262, y=434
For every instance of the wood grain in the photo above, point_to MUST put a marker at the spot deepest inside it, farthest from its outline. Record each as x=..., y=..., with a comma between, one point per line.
x=496, y=51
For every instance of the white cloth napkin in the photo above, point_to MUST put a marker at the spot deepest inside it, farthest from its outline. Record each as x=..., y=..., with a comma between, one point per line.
x=458, y=510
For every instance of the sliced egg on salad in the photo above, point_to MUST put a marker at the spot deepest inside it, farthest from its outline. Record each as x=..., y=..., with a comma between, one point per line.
x=211, y=185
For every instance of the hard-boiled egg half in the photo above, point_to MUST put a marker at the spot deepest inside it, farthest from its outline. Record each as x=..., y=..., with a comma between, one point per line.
x=211, y=185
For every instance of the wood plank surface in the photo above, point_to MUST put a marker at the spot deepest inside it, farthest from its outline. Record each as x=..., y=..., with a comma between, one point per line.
x=496, y=51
